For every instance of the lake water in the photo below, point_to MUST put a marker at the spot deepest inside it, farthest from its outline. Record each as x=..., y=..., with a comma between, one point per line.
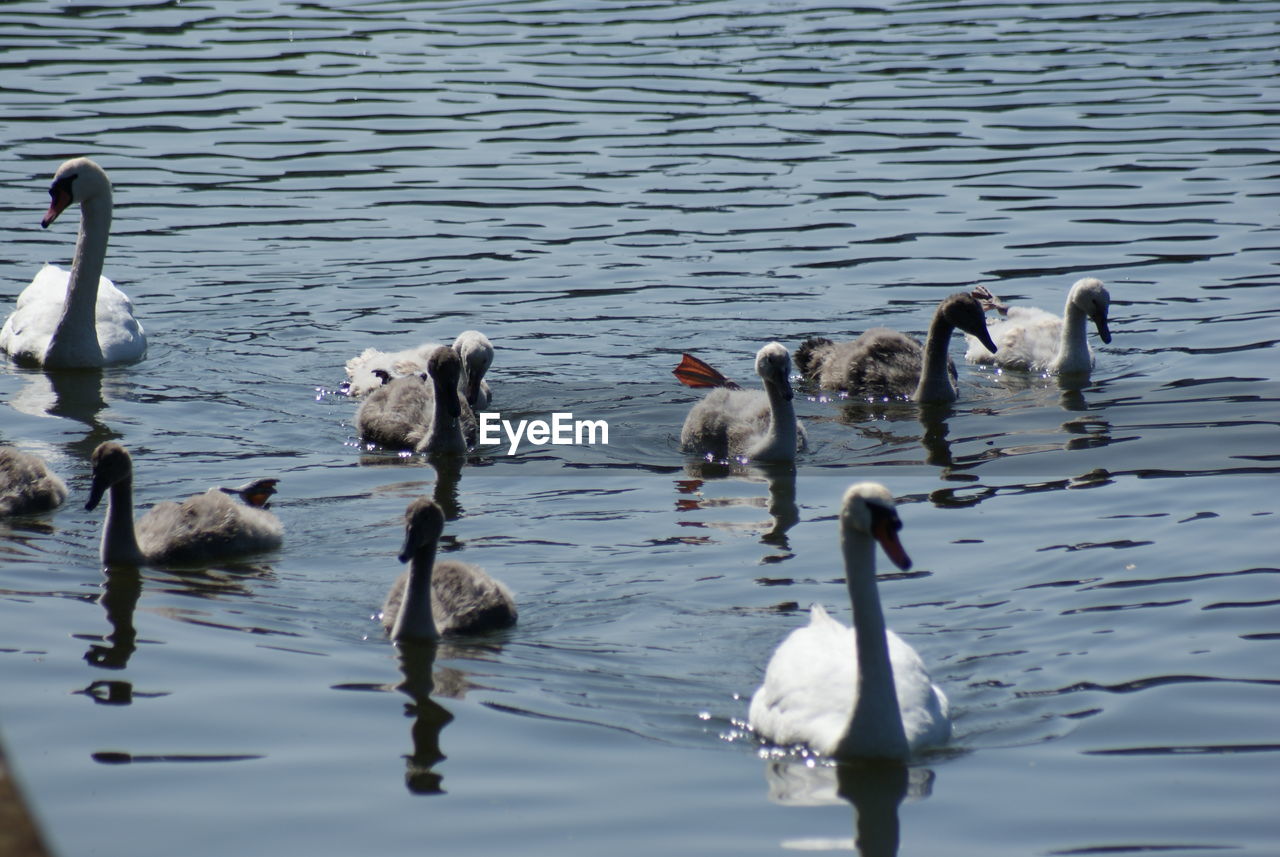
x=599, y=186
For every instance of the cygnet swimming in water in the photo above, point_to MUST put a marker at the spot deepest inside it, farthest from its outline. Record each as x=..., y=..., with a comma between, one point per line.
x=205, y=528
x=730, y=421
x=27, y=485
x=372, y=368
x=886, y=364
x=1034, y=340
x=431, y=597
x=423, y=414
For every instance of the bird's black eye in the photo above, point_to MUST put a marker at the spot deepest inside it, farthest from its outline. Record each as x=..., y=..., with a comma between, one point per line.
x=885, y=517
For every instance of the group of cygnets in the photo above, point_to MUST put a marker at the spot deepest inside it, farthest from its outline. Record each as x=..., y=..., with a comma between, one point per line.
x=842, y=692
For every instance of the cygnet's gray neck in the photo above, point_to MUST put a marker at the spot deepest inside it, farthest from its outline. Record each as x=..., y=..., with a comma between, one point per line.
x=935, y=381
x=415, y=620
x=119, y=540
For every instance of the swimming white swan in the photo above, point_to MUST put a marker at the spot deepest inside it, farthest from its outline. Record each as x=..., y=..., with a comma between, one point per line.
x=27, y=485
x=372, y=368
x=447, y=597
x=76, y=319
x=207, y=527
x=732, y=421
x=861, y=692
x=423, y=414
x=883, y=363
x=1039, y=341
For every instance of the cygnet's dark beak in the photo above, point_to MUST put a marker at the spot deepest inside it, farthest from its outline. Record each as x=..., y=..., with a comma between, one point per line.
x=985, y=339
x=1104, y=332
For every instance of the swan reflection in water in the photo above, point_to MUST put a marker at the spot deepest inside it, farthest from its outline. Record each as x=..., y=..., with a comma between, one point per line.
x=875, y=789
x=424, y=682
x=780, y=503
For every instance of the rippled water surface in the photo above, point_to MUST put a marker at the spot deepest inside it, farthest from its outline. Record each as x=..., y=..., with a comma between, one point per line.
x=599, y=186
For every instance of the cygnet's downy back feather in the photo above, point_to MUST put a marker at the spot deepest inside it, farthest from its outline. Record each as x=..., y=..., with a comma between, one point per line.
x=372, y=368
x=27, y=485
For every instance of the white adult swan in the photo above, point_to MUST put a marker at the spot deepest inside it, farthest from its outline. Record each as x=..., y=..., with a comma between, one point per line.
x=77, y=319
x=731, y=421
x=1038, y=341
x=372, y=368
x=861, y=692
x=447, y=597
x=423, y=414
x=205, y=528
x=883, y=363
x=27, y=485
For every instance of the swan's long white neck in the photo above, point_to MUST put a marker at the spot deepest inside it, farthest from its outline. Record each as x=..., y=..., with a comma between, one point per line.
x=414, y=621
x=780, y=439
x=935, y=382
x=875, y=729
x=75, y=340
x=119, y=542
x=1073, y=347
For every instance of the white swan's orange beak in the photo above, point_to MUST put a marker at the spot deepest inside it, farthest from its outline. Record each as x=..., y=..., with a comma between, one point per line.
x=61, y=199
x=885, y=530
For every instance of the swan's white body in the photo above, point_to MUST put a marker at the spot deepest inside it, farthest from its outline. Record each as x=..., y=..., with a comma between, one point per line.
x=27, y=485
x=1033, y=340
x=447, y=597
x=757, y=425
x=886, y=364
x=205, y=528
x=423, y=414
x=76, y=318
x=858, y=692
x=372, y=368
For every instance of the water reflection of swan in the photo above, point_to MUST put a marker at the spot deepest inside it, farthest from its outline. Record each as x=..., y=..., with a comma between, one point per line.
x=207, y=527
x=417, y=661
x=420, y=414
x=781, y=505
x=27, y=485
x=76, y=319
x=853, y=693
x=1038, y=341
x=883, y=363
x=731, y=421
x=447, y=597
x=372, y=368
x=875, y=788
x=121, y=589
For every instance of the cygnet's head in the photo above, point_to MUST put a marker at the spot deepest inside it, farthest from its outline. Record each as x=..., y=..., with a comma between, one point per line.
x=868, y=508
x=476, y=352
x=111, y=464
x=423, y=526
x=773, y=365
x=965, y=311
x=445, y=368
x=76, y=180
x=1091, y=297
